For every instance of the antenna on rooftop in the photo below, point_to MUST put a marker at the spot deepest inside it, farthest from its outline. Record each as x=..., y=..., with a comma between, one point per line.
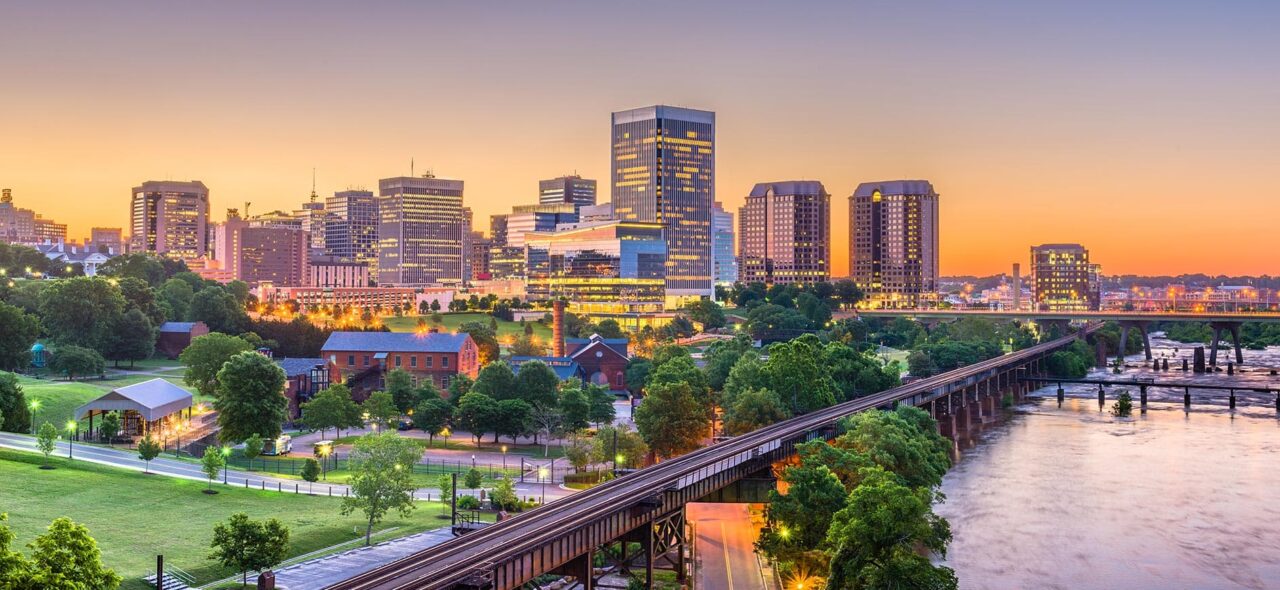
x=313, y=184
x=411, y=167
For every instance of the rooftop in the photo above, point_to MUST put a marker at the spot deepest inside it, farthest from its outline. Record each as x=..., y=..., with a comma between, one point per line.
x=895, y=187
x=395, y=342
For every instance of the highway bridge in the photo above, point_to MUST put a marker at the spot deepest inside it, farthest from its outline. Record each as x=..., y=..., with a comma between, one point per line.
x=1222, y=322
x=645, y=509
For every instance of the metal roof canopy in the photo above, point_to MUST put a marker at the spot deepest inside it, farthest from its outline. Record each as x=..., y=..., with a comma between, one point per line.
x=152, y=399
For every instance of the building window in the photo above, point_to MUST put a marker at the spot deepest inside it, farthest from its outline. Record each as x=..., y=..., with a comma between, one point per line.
x=444, y=362
x=366, y=360
x=428, y=358
x=397, y=360
x=413, y=361
x=444, y=382
x=351, y=360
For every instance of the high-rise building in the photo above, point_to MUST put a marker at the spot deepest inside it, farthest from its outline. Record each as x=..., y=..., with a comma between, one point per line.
x=170, y=218
x=24, y=226
x=479, y=258
x=724, y=262
x=273, y=254
x=421, y=231
x=508, y=231
x=351, y=227
x=313, y=218
x=785, y=233
x=107, y=240
x=893, y=246
x=48, y=230
x=663, y=171
x=573, y=189
x=1063, y=279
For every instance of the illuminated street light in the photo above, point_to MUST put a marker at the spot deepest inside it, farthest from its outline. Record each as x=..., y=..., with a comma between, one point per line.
x=71, y=444
x=226, y=453
x=35, y=405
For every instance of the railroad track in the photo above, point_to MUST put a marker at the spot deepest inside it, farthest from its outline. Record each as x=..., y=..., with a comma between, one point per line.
x=450, y=563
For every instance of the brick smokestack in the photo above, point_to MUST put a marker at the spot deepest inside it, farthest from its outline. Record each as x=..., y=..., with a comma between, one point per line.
x=557, y=328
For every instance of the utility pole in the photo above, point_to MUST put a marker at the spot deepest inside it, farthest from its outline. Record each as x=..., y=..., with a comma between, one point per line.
x=453, y=500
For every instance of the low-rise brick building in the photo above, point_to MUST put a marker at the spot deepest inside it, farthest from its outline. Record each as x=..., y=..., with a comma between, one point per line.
x=361, y=359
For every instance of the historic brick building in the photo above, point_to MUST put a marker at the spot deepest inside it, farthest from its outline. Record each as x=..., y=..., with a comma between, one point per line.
x=361, y=359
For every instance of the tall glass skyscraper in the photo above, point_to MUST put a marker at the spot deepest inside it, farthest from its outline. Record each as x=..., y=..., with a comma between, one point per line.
x=724, y=261
x=170, y=218
x=573, y=189
x=351, y=227
x=664, y=173
x=422, y=229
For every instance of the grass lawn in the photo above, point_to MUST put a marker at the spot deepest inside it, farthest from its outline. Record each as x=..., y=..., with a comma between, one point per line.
x=135, y=516
x=409, y=323
x=59, y=399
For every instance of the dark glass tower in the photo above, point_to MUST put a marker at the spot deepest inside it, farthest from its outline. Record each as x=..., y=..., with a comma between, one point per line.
x=664, y=172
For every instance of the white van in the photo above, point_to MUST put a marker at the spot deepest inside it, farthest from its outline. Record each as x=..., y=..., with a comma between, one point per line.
x=280, y=446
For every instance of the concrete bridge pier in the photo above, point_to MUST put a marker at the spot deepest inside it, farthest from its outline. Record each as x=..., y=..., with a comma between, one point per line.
x=1234, y=329
x=1141, y=326
x=1142, y=394
x=1102, y=397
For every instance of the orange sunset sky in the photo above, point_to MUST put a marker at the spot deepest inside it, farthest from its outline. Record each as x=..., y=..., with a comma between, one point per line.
x=1148, y=131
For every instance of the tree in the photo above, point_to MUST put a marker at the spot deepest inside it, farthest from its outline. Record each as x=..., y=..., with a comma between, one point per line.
x=109, y=427
x=13, y=405
x=612, y=441
x=20, y=330
x=815, y=310
x=602, y=410
x=720, y=358
x=66, y=557
x=46, y=441
x=904, y=442
x=459, y=386
x=795, y=373
x=706, y=312
x=575, y=407
x=1121, y=409
x=132, y=338
x=431, y=416
x=578, y=453
x=399, y=383
x=382, y=477
x=445, y=483
x=773, y=322
x=140, y=296
x=139, y=265
x=473, y=480
x=252, y=448
x=331, y=408
x=426, y=390
x=250, y=398
x=219, y=310
x=802, y=515
x=537, y=384
x=495, y=380
x=877, y=536
x=504, y=495
x=76, y=361
x=847, y=293
x=475, y=414
x=148, y=449
x=205, y=356
x=637, y=374
x=526, y=345
x=177, y=294
x=512, y=418
x=546, y=422
x=856, y=374
x=752, y=409
x=381, y=409
x=486, y=339
x=672, y=419
x=310, y=472
x=211, y=462
x=243, y=544
x=80, y=311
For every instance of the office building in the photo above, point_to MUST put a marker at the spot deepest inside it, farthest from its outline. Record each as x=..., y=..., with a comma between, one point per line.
x=479, y=258
x=351, y=227
x=273, y=254
x=724, y=261
x=573, y=189
x=170, y=218
x=1063, y=279
x=421, y=231
x=893, y=246
x=313, y=219
x=107, y=240
x=24, y=226
x=508, y=231
x=611, y=269
x=333, y=272
x=785, y=233
x=663, y=171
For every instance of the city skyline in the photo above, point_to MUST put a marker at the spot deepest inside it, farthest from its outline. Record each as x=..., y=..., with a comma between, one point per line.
x=1031, y=131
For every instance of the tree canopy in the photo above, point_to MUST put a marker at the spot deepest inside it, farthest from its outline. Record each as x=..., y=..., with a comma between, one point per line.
x=250, y=398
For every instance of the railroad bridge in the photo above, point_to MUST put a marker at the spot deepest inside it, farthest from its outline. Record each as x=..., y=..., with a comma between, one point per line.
x=641, y=514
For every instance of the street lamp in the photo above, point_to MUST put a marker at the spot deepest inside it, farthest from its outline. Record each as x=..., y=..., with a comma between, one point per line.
x=35, y=405
x=504, y=458
x=226, y=453
x=71, y=444
x=473, y=461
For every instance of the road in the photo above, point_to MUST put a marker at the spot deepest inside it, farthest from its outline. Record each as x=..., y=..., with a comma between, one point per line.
x=725, y=547
x=128, y=459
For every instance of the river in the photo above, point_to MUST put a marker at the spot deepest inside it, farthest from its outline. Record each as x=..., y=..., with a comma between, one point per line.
x=1073, y=498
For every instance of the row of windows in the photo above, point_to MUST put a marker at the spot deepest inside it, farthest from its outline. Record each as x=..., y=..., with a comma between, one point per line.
x=398, y=361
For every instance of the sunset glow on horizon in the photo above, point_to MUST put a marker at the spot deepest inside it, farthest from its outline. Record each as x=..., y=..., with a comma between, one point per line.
x=1155, y=146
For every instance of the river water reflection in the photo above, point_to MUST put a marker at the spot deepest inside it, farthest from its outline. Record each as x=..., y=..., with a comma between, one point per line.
x=1073, y=498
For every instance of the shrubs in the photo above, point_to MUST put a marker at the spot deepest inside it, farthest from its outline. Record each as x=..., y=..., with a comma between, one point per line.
x=468, y=503
x=584, y=477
